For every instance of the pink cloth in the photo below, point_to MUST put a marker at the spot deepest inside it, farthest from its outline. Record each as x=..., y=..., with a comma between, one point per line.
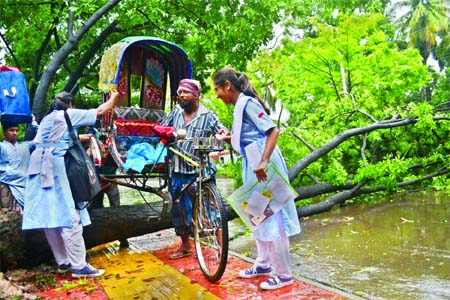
x=190, y=85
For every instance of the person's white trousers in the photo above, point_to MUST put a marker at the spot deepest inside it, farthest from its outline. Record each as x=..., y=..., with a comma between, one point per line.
x=275, y=254
x=67, y=244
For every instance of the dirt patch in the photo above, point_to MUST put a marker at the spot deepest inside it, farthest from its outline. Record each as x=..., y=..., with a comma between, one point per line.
x=43, y=282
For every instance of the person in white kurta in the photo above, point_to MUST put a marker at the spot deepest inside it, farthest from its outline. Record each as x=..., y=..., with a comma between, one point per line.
x=48, y=199
x=14, y=158
x=251, y=123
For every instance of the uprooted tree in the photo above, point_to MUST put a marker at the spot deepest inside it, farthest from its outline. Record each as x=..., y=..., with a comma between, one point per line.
x=25, y=248
x=359, y=124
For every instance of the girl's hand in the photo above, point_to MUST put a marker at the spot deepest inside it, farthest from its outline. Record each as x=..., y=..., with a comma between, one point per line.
x=260, y=171
x=224, y=135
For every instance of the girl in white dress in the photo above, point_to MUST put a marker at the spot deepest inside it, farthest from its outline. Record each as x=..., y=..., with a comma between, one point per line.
x=251, y=123
x=48, y=199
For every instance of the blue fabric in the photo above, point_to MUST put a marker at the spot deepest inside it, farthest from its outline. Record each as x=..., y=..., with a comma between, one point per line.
x=14, y=99
x=182, y=207
x=255, y=124
x=54, y=206
x=143, y=153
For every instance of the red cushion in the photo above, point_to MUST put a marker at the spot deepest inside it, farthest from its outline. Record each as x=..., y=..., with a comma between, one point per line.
x=136, y=127
x=144, y=128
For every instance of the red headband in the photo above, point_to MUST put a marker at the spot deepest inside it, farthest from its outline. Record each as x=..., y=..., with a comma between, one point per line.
x=190, y=85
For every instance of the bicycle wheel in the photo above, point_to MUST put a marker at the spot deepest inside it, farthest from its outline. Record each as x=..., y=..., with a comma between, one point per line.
x=210, y=232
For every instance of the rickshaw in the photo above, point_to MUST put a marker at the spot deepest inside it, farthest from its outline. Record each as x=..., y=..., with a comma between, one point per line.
x=146, y=71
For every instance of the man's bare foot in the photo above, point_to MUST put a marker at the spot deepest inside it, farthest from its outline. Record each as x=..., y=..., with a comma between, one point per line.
x=181, y=252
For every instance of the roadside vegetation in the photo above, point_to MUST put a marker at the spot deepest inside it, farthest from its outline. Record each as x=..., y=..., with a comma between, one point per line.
x=365, y=83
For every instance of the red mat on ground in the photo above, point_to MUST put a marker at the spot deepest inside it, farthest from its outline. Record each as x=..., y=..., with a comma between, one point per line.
x=232, y=287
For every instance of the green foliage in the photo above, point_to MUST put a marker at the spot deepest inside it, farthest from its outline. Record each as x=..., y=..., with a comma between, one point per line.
x=344, y=67
x=225, y=113
x=305, y=13
x=423, y=23
x=342, y=78
x=376, y=73
x=335, y=172
x=442, y=90
x=213, y=33
x=232, y=170
x=291, y=150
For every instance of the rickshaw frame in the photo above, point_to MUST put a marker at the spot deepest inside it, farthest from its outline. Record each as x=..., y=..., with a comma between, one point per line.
x=146, y=72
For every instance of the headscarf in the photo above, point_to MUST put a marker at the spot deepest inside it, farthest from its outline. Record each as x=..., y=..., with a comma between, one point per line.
x=190, y=85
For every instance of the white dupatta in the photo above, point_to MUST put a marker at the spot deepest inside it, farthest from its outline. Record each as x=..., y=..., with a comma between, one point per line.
x=237, y=122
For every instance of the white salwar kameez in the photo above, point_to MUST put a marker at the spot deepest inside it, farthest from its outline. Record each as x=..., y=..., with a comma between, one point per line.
x=48, y=200
x=251, y=124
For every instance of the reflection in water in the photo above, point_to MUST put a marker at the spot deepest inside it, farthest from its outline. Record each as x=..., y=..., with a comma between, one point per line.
x=399, y=249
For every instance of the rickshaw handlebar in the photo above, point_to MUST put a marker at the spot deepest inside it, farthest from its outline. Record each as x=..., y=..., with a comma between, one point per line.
x=202, y=145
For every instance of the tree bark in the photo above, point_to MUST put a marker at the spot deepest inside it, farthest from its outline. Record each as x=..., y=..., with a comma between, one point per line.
x=76, y=75
x=27, y=248
x=342, y=137
x=60, y=56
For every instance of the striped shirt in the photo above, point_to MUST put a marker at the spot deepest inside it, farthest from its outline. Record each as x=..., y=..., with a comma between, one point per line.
x=204, y=124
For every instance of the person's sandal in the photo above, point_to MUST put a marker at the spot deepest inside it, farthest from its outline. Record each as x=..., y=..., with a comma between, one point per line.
x=180, y=253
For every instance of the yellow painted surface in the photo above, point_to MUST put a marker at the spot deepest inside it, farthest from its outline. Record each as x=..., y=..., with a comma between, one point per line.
x=135, y=274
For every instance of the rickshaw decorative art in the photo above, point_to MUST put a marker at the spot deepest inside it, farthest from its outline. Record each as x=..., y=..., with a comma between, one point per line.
x=146, y=71
x=132, y=149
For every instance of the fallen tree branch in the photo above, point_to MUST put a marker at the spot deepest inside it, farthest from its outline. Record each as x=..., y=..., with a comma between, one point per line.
x=340, y=138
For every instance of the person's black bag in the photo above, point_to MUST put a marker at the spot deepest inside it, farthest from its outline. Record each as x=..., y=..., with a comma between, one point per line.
x=80, y=170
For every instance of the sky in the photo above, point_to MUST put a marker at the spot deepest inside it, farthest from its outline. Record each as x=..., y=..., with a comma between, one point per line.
x=2, y=49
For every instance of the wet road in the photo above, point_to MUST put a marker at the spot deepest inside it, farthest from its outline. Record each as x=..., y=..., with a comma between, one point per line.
x=396, y=250
x=144, y=271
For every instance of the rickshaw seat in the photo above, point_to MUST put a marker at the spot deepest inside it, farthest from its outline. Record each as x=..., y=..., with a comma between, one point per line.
x=138, y=125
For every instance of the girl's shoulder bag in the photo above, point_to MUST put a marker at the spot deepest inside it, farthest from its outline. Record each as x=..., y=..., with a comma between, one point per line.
x=80, y=170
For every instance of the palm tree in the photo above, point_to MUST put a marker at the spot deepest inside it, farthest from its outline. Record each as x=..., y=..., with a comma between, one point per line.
x=421, y=22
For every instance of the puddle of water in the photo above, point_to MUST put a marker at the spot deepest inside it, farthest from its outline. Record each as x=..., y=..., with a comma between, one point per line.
x=399, y=249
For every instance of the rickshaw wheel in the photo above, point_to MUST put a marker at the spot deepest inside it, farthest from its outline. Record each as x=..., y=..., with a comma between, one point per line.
x=210, y=232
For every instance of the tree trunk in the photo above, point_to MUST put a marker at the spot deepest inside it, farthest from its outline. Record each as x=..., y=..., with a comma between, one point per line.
x=26, y=248
x=60, y=56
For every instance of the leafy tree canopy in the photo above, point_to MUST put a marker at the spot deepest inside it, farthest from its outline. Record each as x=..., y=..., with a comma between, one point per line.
x=345, y=78
x=60, y=43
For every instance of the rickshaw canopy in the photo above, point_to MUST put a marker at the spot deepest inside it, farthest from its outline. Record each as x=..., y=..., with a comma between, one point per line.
x=145, y=65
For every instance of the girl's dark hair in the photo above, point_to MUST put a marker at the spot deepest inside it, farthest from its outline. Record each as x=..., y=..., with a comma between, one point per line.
x=62, y=101
x=240, y=82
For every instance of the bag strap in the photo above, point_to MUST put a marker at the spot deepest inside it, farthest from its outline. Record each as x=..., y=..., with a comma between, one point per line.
x=69, y=125
x=75, y=141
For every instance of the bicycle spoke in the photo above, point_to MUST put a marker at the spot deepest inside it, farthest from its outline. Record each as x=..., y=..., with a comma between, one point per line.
x=211, y=233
